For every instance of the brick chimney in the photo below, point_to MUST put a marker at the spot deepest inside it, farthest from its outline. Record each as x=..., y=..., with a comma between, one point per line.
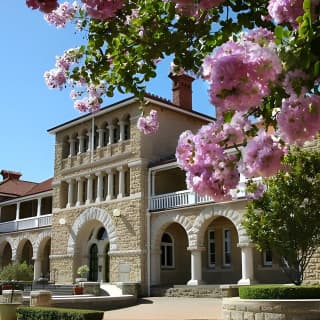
x=10, y=175
x=182, y=90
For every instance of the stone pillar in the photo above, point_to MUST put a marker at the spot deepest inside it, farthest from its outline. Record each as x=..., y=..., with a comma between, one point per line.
x=37, y=269
x=39, y=207
x=246, y=264
x=18, y=211
x=90, y=146
x=80, y=191
x=89, y=189
x=40, y=298
x=81, y=144
x=121, y=125
x=101, y=267
x=100, y=138
x=99, y=197
x=121, y=182
x=72, y=144
x=155, y=267
x=196, y=267
x=70, y=192
x=110, y=185
x=111, y=138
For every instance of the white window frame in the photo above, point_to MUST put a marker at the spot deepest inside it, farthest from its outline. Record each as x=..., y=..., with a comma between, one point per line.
x=211, y=241
x=229, y=241
x=267, y=263
x=165, y=245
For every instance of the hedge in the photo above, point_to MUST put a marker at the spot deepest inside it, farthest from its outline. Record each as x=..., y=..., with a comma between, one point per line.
x=45, y=313
x=279, y=292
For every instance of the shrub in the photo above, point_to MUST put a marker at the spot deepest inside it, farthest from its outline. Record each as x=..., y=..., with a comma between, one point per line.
x=39, y=313
x=279, y=292
x=17, y=271
x=83, y=270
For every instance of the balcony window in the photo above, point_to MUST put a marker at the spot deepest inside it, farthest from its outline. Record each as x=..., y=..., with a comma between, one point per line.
x=46, y=205
x=167, y=251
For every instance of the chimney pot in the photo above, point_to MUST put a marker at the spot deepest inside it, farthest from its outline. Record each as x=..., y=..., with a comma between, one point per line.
x=182, y=90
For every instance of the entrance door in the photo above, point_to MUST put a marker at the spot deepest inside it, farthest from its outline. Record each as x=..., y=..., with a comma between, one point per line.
x=93, y=273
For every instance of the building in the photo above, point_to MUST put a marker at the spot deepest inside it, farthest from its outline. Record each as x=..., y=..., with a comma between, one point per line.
x=118, y=202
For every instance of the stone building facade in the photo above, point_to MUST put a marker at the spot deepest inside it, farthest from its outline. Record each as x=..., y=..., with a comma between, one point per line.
x=118, y=203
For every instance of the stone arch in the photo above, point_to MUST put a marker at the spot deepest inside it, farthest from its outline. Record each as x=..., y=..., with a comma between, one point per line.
x=205, y=217
x=21, y=241
x=40, y=241
x=93, y=214
x=163, y=221
x=13, y=245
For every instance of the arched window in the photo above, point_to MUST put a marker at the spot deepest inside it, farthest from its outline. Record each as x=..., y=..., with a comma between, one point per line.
x=167, y=251
x=93, y=265
x=102, y=234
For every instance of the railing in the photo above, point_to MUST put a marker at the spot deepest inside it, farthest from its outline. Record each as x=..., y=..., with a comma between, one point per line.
x=188, y=198
x=27, y=223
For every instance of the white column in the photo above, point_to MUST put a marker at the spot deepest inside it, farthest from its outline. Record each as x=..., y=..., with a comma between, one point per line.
x=80, y=191
x=99, y=187
x=72, y=143
x=100, y=267
x=90, y=147
x=37, y=269
x=246, y=264
x=89, y=189
x=196, y=267
x=121, y=125
x=70, y=183
x=121, y=182
x=155, y=266
x=39, y=207
x=110, y=185
x=100, y=138
x=111, y=138
x=18, y=211
x=81, y=144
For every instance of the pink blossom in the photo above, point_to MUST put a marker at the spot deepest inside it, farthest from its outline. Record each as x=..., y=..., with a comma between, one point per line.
x=45, y=6
x=259, y=189
x=149, y=124
x=60, y=16
x=102, y=9
x=55, y=78
x=191, y=8
x=294, y=82
x=299, y=119
x=261, y=157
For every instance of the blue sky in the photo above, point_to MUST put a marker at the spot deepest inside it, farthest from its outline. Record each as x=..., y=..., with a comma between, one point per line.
x=28, y=108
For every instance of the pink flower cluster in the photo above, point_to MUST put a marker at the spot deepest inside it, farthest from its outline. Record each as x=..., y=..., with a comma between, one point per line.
x=211, y=167
x=191, y=7
x=239, y=73
x=299, y=119
x=45, y=6
x=102, y=9
x=149, y=124
x=60, y=16
x=261, y=157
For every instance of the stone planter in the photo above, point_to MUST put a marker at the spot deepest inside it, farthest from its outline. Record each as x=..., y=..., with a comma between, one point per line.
x=12, y=296
x=8, y=311
x=41, y=298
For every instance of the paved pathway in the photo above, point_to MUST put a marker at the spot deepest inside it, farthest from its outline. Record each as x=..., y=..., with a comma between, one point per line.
x=164, y=308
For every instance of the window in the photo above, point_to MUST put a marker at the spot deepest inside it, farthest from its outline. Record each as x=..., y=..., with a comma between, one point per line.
x=102, y=234
x=211, y=249
x=267, y=258
x=226, y=247
x=167, y=252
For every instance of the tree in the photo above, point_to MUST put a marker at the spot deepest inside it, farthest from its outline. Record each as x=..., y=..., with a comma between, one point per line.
x=261, y=60
x=286, y=218
x=17, y=271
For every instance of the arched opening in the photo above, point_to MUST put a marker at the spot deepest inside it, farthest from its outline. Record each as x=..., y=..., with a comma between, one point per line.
x=27, y=253
x=107, y=263
x=93, y=263
x=174, y=259
x=6, y=255
x=45, y=267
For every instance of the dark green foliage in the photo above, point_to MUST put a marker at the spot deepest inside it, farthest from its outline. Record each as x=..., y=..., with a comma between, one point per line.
x=286, y=218
x=17, y=271
x=279, y=292
x=42, y=313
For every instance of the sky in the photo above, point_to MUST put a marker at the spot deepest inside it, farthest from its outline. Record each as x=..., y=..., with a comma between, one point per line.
x=28, y=108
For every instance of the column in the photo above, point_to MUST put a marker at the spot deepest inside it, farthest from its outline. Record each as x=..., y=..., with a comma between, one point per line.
x=39, y=207
x=90, y=147
x=121, y=125
x=18, y=211
x=246, y=264
x=155, y=267
x=89, y=189
x=111, y=138
x=70, y=183
x=101, y=267
x=80, y=191
x=196, y=267
x=37, y=269
x=81, y=144
x=99, y=187
x=121, y=182
x=110, y=185
x=72, y=143
x=100, y=138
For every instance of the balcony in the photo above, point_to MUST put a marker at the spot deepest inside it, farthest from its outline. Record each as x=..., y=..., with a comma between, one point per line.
x=187, y=198
x=27, y=223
